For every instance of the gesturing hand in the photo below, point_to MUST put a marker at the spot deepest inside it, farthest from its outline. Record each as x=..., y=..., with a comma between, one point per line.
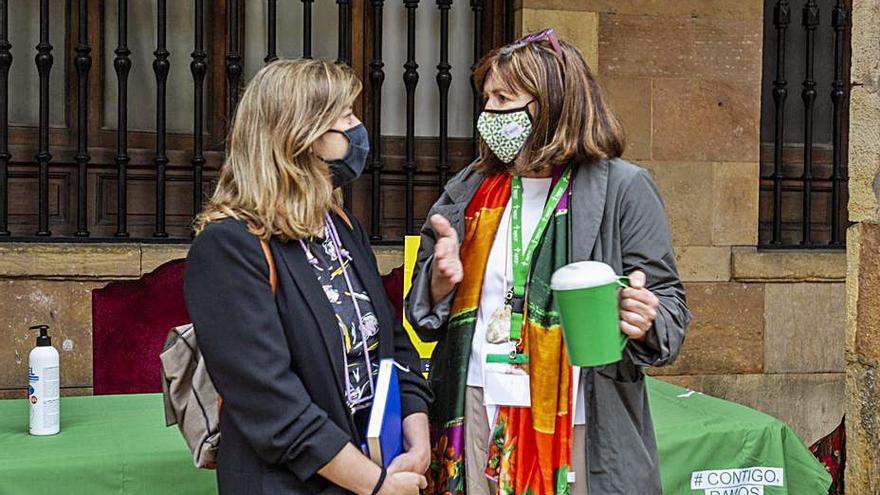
x=446, y=271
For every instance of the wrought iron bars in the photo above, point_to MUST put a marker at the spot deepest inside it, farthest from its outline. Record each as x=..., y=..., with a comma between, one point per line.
x=272, y=32
x=840, y=22
x=810, y=21
x=233, y=59
x=477, y=6
x=344, y=31
x=444, y=79
x=344, y=57
x=122, y=64
x=161, y=67
x=781, y=20
x=198, y=67
x=307, y=28
x=377, y=77
x=5, y=156
x=44, y=60
x=410, y=80
x=83, y=62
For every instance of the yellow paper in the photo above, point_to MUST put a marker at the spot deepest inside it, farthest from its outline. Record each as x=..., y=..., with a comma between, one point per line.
x=410, y=253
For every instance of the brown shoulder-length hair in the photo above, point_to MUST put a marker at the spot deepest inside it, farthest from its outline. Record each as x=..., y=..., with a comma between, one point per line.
x=271, y=177
x=573, y=124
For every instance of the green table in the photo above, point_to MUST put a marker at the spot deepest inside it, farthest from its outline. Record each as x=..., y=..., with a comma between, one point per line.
x=697, y=433
x=119, y=444
x=108, y=444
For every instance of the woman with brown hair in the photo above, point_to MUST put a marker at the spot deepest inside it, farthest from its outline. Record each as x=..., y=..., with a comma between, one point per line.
x=294, y=351
x=549, y=188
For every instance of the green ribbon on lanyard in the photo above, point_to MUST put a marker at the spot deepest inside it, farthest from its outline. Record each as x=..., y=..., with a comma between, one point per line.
x=522, y=260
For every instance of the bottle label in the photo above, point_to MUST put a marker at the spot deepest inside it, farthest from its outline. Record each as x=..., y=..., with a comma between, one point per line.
x=51, y=385
x=43, y=390
x=51, y=413
x=35, y=391
x=32, y=377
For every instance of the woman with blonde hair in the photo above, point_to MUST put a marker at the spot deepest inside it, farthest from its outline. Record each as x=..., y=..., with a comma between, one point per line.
x=549, y=188
x=292, y=337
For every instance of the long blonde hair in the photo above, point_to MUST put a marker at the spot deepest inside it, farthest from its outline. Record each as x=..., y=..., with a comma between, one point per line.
x=271, y=178
x=574, y=123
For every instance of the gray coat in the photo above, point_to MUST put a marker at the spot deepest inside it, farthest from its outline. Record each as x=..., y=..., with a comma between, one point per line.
x=617, y=218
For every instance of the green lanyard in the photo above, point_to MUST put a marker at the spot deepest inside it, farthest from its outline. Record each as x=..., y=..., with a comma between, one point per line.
x=522, y=261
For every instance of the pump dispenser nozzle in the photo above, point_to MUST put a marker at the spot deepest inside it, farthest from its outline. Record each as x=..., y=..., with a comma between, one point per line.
x=43, y=339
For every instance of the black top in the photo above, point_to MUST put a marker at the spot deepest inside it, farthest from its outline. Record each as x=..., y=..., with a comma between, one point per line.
x=328, y=269
x=276, y=361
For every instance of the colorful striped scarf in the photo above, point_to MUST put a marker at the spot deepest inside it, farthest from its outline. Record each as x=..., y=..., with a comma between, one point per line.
x=530, y=448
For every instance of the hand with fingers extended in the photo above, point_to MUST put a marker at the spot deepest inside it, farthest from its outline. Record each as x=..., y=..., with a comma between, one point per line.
x=446, y=270
x=638, y=308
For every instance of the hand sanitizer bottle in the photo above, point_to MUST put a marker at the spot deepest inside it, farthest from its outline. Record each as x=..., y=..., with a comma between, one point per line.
x=43, y=385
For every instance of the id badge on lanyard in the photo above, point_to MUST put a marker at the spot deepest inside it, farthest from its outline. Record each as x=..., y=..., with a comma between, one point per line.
x=515, y=299
x=506, y=385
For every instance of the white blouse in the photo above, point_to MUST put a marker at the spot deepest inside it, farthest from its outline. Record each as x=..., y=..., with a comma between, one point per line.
x=535, y=192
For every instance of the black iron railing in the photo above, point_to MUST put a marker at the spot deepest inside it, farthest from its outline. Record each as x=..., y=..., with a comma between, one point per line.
x=44, y=62
x=5, y=64
x=839, y=97
x=201, y=67
x=377, y=77
x=122, y=64
x=82, y=62
x=812, y=187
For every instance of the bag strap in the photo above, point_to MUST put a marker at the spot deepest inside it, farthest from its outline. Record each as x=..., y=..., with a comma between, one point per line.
x=273, y=275
x=344, y=217
x=267, y=252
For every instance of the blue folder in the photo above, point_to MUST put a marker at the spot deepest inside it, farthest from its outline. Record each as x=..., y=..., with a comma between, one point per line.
x=385, y=429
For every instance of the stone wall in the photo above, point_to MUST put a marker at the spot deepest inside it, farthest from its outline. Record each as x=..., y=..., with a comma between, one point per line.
x=863, y=250
x=685, y=79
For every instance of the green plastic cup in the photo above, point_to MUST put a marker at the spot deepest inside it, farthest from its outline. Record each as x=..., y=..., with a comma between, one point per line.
x=587, y=297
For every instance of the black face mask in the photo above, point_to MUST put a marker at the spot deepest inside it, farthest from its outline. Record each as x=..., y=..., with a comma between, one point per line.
x=347, y=169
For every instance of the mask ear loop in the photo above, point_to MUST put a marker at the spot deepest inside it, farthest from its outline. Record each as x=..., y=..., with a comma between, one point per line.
x=528, y=113
x=532, y=122
x=546, y=135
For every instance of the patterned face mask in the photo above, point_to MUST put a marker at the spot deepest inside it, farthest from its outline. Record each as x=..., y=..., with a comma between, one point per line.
x=505, y=131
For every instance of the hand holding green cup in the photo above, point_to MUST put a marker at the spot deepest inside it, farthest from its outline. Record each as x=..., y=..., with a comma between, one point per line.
x=587, y=298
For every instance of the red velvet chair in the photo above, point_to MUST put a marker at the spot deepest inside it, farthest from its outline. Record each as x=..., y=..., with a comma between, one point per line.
x=130, y=320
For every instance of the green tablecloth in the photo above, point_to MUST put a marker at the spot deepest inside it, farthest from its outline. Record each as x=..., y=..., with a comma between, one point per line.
x=696, y=432
x=108, y=444
x=119, y=444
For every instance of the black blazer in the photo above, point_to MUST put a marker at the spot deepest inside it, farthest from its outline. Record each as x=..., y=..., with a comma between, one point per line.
x=277, y=362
